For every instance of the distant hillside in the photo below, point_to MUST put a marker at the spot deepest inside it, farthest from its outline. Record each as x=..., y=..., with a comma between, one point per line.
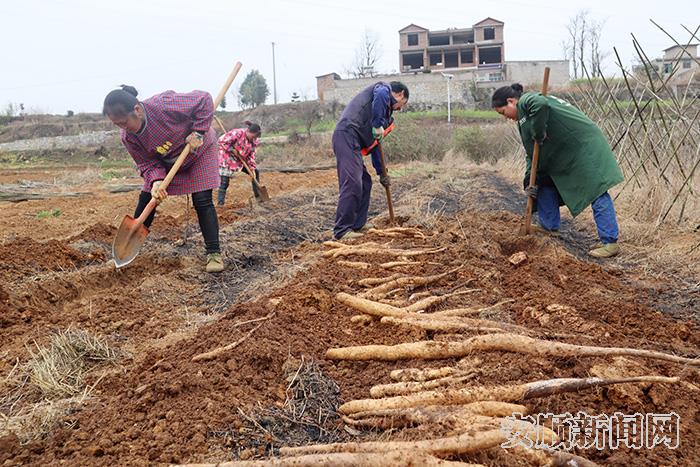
x=272, y=118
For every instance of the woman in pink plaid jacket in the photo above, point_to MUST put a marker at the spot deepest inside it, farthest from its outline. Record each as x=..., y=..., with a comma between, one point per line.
x=238, y=142
x=155, y=131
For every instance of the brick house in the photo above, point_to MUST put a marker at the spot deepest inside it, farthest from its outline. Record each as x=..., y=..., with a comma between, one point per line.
x=478, y=47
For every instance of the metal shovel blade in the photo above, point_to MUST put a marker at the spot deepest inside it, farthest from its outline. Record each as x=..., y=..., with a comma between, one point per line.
x=127, y=243
x=264, y=195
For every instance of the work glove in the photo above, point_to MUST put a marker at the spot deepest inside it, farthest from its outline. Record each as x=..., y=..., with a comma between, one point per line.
x=157, y=192
x=195, y=140
x=385, y=181
x=378, y=133
x=531, y=191
x=541, y=140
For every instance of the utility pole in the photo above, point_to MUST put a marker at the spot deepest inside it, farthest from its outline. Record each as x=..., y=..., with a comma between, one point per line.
x=274, y=75
x=449, y=77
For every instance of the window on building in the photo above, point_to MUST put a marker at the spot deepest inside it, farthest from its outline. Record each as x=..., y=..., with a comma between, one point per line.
x=413, y=61
x=435, y=58
x=489, y=34
x=451, y=60
x=439, y=40
x=463, y=38
x=686, y=63
x=467, y=57
x=413, y=39
x=489, y=55
x=668, y=67
x=496, y=76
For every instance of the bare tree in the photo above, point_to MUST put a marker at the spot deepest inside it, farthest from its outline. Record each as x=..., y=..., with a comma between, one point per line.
x=582, y=38
x=595, y=31
x=367, y=56
x=574, y=46
x=310, y=114
x=582, y=45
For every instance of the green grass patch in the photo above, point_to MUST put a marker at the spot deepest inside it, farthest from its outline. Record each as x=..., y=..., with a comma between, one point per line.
x=109, y=174
x=411, y=170
x=48, y=213
x=459, y=114
x=296, y=125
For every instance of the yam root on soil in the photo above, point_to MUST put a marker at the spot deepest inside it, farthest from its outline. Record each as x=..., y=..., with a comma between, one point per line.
x=456, y=421
x=346, y=459
x=395, y=264
x=419, y=374
x=401, y=282
x=212, y=354
x=549, y=458
x=374, y=281
x=354, y=264
x=354, y=250
x=470, y=311
x=454, y=445
x=501, y=342
x=398, y=232
x=369, y=307
x=408, y=387
x=428, y=323
x=507, y=393
x=334, y=244
x=362, y=319
x=375, y=308
x=427, y=302
x=396, y=418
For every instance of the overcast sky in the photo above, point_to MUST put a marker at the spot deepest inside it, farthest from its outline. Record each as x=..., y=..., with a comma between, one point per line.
x=67, y=54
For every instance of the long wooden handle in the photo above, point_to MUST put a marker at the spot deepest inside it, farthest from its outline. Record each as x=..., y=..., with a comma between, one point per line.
x=250, y=173
x=386, y=188
x=533, y=167
x=219, y=97
x=227, y=84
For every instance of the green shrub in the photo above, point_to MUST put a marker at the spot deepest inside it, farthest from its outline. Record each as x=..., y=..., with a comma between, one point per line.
x=472, y=142
x=413, y=141
x=486, y=144
x=48, y=213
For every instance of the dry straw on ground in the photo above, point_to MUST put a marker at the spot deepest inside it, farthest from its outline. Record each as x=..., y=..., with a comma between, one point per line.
x=53, y=383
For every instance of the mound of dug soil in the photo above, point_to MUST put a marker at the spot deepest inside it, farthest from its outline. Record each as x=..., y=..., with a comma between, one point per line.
x=25, y=257
x=168, y=408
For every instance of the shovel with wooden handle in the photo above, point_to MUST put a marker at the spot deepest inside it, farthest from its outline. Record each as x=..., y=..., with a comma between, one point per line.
x=527, y=222
x=132, y=233
x=386, y=188
x=262, y=189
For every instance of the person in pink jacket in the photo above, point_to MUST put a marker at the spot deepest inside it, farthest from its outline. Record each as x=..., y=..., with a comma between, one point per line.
x=155, y=131
x=244, y=142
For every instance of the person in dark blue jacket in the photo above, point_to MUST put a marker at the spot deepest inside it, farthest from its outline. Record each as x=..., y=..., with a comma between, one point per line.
x=362, y=122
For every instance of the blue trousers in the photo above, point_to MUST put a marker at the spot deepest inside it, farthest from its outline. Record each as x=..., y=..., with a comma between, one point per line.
x=354, y=183
x=603, y=213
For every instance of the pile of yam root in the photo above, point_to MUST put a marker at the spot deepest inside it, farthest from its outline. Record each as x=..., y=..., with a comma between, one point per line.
x=444, y=399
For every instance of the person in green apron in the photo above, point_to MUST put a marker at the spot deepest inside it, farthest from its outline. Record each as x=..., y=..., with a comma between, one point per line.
x=576, y=166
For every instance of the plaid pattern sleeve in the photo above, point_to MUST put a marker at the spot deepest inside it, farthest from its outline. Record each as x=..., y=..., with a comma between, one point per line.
x=196, y=106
